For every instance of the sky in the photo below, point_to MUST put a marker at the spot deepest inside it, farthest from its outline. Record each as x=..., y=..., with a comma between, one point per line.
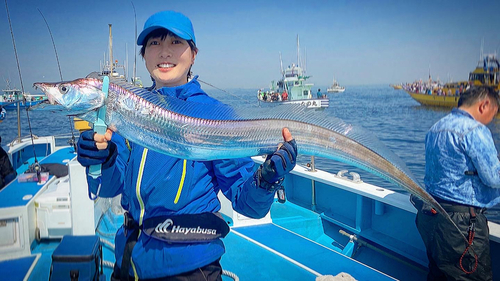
x=355, y=42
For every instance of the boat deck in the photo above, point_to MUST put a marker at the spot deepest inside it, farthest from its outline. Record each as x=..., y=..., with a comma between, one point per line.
x=259, y=252
x=299, y=244
x=284, y=255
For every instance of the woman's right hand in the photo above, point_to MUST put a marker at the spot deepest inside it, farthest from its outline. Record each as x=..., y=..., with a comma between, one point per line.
x=95, y=149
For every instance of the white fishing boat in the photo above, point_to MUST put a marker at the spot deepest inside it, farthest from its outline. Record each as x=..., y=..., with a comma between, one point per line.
x=292, y=88
x=335, y=87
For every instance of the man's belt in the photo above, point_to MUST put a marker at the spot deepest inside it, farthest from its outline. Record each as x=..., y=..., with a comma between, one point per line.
x=447, y=206
x=457, y=207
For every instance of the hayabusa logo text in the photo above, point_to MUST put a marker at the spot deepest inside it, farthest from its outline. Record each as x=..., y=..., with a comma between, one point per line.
x=168, y=227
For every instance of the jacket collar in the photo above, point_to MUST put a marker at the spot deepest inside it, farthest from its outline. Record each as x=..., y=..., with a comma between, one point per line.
x=181, y=92
x=459, y=111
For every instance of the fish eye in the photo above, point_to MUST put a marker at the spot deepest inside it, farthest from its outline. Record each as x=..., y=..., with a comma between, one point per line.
x=63, y=89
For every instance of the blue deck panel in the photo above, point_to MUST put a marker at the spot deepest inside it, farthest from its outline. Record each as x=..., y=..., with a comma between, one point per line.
x=16, y=269
x=12, y=195
x=251, y=262
x=309, y=253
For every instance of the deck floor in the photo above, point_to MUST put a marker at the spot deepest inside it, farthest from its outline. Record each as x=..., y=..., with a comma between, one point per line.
x=269, y=252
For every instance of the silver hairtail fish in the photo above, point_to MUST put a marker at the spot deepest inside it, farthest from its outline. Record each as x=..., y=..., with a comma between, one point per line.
x=197, y=131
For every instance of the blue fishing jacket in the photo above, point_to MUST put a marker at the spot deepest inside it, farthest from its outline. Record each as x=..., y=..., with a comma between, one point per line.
x=153, y=184
x=457, y=144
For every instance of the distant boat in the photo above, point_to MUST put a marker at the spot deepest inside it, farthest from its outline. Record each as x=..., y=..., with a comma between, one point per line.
x=396, y=86
x=11, y=97
x=335, y=87
x=487, y=73
x=292, y=89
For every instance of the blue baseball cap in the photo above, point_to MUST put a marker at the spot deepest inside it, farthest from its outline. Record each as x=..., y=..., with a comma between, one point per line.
x=176, y=22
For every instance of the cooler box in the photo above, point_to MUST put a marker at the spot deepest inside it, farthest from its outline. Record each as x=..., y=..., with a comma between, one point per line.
x=53, y=210
x=77, y=258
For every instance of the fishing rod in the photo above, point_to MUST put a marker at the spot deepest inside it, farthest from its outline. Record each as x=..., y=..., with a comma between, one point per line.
x=35, y=166
x=206, y=83
x=72, y=142
x=53, y=44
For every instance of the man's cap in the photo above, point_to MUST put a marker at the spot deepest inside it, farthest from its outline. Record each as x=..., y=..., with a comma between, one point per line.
x=175, y=22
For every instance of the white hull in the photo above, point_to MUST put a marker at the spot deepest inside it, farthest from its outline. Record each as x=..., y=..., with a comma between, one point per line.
x=336, y=90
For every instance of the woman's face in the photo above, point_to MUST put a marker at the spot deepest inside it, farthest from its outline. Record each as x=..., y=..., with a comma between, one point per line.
x=168, y=60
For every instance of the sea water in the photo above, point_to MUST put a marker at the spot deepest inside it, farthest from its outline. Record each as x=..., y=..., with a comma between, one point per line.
x=391, y=115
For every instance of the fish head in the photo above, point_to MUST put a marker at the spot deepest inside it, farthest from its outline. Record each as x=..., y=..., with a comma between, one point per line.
x=73, y=97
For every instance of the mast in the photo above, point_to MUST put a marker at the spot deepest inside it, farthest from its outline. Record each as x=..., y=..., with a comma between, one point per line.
x=430, y=79
x=110, y=51
x=125, y=66
x=298, y=51
x=305, y=60
x=481, y=52
x=135, y=46
x=281, y=66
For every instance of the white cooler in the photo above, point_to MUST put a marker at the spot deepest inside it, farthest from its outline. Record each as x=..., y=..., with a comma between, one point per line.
x=53, y=210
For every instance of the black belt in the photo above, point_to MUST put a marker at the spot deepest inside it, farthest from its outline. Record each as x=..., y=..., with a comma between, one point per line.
x=457, y=207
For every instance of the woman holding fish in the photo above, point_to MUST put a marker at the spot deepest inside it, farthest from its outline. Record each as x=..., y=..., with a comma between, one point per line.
x=172, y=228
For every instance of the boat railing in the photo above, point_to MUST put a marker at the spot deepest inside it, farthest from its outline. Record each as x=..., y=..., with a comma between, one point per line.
x=68, y=137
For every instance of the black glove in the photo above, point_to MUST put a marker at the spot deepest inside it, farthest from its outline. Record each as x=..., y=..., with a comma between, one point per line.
x=277, y=165
x=89, y=155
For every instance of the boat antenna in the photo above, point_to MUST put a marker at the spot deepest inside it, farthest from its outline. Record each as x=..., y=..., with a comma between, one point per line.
x=305, y=60
x=298, y=51
x=125, y=65
x=481, y=51
x=110, y=51
x=281, y=66
x=135, y=45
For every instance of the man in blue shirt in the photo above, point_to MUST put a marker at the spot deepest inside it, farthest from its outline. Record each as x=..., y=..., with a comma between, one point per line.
x=462, y=172
x=319, y=94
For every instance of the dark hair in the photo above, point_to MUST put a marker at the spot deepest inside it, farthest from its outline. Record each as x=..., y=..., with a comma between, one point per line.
x=163, y=33
x=478, y=93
